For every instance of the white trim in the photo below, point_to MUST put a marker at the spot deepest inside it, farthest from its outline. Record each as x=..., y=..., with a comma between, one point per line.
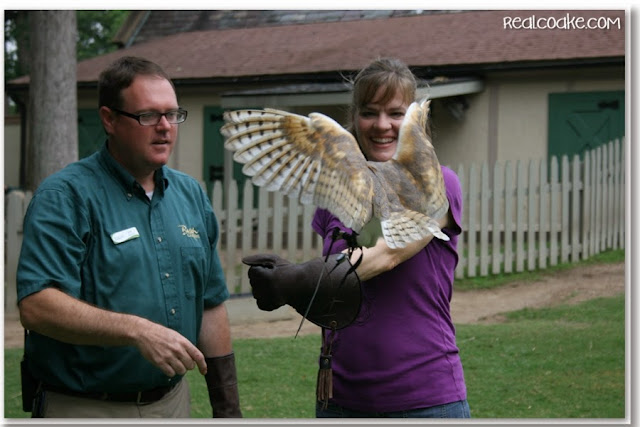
x=317, y=97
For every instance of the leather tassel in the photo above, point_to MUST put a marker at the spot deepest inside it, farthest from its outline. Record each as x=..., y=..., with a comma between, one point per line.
x=324, y=383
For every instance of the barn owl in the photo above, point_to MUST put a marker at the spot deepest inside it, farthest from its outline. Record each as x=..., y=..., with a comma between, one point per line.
x=317, y=161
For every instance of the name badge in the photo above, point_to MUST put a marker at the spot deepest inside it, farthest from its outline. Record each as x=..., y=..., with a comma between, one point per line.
x=125, y=235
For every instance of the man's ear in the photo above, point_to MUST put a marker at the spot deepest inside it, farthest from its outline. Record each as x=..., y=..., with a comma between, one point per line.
x=107, y=117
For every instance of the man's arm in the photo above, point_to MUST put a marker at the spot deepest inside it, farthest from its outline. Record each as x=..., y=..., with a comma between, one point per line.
x=221, y=376
x=380, y=258
x=55, y=314
x=215, y=333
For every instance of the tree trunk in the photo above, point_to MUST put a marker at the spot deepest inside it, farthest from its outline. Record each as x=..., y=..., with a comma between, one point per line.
x=53, y=112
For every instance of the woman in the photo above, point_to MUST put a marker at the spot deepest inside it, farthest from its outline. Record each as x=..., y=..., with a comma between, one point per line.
x=399, y=358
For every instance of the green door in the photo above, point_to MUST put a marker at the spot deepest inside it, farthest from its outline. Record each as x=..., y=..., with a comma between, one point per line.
x=583, y=121
x=213, y=150
x=213, y=153
x=91, y=134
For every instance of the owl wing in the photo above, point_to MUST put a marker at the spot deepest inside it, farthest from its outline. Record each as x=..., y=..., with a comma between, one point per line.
x=416, y=155
x=313, y=159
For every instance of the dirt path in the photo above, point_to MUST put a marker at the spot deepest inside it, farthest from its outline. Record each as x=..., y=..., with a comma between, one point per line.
x=482, y=306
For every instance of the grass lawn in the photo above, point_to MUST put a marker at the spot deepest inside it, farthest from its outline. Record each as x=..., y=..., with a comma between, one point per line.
x=560, y=362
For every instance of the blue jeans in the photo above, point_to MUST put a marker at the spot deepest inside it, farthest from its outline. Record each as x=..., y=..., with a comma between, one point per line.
x=458, y=409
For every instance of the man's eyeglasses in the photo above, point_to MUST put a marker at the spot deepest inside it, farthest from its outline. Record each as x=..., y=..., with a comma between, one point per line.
x=151, y=119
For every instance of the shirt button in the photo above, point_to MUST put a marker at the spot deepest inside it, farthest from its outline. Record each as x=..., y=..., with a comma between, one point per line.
x=173, y=311
x=167, y=275
x=129, y=195
x=159, y=239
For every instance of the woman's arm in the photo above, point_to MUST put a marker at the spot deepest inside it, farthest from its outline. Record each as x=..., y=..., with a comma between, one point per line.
x=380, y=258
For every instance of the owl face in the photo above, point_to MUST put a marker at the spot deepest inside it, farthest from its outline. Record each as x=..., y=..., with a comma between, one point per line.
x=377, y=126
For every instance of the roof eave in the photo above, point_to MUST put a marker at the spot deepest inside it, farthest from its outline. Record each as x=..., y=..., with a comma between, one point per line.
x=421, y=71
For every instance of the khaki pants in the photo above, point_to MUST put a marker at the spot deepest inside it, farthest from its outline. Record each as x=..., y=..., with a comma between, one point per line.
x=176, y=404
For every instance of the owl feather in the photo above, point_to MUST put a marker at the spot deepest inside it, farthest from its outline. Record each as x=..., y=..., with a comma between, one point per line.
x=318, y=162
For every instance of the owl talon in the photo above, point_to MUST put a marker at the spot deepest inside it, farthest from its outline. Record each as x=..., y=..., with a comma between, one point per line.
x=350, y=238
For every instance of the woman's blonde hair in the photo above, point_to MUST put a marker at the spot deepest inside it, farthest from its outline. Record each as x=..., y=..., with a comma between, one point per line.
x=389, y=73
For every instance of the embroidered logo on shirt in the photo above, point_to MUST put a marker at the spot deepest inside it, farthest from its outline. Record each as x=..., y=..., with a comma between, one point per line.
x=189, y=232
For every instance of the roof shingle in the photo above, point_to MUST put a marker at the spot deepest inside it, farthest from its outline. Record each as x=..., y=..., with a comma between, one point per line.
x=433, y=40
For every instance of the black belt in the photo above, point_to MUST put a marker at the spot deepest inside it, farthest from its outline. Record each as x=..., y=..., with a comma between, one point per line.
x=147, y=396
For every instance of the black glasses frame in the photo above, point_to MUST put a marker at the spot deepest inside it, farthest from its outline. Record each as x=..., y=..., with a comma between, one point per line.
x=158, y=115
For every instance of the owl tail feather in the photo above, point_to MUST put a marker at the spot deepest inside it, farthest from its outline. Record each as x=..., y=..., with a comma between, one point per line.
x=405, y=227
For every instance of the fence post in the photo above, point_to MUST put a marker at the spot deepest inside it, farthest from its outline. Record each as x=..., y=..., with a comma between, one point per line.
x=576, y=187
x=472, y=260
x=264, y=215
x=543, y=221
x=531, y=217
x=216, y=205
x=564, y=229
x=231, y=231
x=485, y=194
x=508, y=218
x=605, y=198
x=247, y=233
x=463, y=261
x=293, y=210
x=278, y=218
x=496, y=229
x=520, y=223
x=598, y=207
x=623, y=209
x=610, y=194
x=618, y=201
x=555, y=213
x=586, y=206
x=17, y=202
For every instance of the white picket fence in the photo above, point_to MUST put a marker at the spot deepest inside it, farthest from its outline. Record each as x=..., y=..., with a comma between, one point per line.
x=518, y=217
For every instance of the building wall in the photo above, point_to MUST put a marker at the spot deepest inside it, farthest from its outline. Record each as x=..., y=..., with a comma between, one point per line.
x=506, y=121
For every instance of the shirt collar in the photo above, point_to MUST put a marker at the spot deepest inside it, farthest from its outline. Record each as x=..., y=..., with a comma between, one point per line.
x=126, y=180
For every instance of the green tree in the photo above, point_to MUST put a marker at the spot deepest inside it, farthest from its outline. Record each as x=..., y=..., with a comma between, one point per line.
x=16, y=39
x=96, y=29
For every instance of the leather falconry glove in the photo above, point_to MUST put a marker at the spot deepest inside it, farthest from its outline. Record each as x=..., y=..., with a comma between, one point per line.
x=222, y=384
x=327, y=293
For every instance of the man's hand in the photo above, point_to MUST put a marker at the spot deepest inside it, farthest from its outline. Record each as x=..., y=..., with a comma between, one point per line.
x=168, y=350
x=55, y=314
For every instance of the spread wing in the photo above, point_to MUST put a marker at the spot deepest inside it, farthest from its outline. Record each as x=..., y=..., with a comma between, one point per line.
x=310, y=158
x=417, y=157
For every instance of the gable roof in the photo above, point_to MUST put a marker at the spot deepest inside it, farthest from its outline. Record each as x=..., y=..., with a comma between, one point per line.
x=145, y=25
x=463, y=41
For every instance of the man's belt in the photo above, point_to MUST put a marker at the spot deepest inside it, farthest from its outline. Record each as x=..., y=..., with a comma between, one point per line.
x=140, y=397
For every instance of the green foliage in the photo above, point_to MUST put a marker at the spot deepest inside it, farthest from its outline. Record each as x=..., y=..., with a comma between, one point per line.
x=560, y=362
x=96, y=29
x=16, y=32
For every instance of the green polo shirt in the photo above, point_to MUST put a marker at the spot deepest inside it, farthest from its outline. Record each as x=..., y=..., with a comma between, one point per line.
x=91, y=232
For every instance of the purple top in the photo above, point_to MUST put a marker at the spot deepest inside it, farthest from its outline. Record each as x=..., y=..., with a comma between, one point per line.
x=401, y=352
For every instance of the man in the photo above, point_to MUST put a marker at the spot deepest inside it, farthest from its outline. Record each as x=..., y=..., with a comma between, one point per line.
x=119, y=281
